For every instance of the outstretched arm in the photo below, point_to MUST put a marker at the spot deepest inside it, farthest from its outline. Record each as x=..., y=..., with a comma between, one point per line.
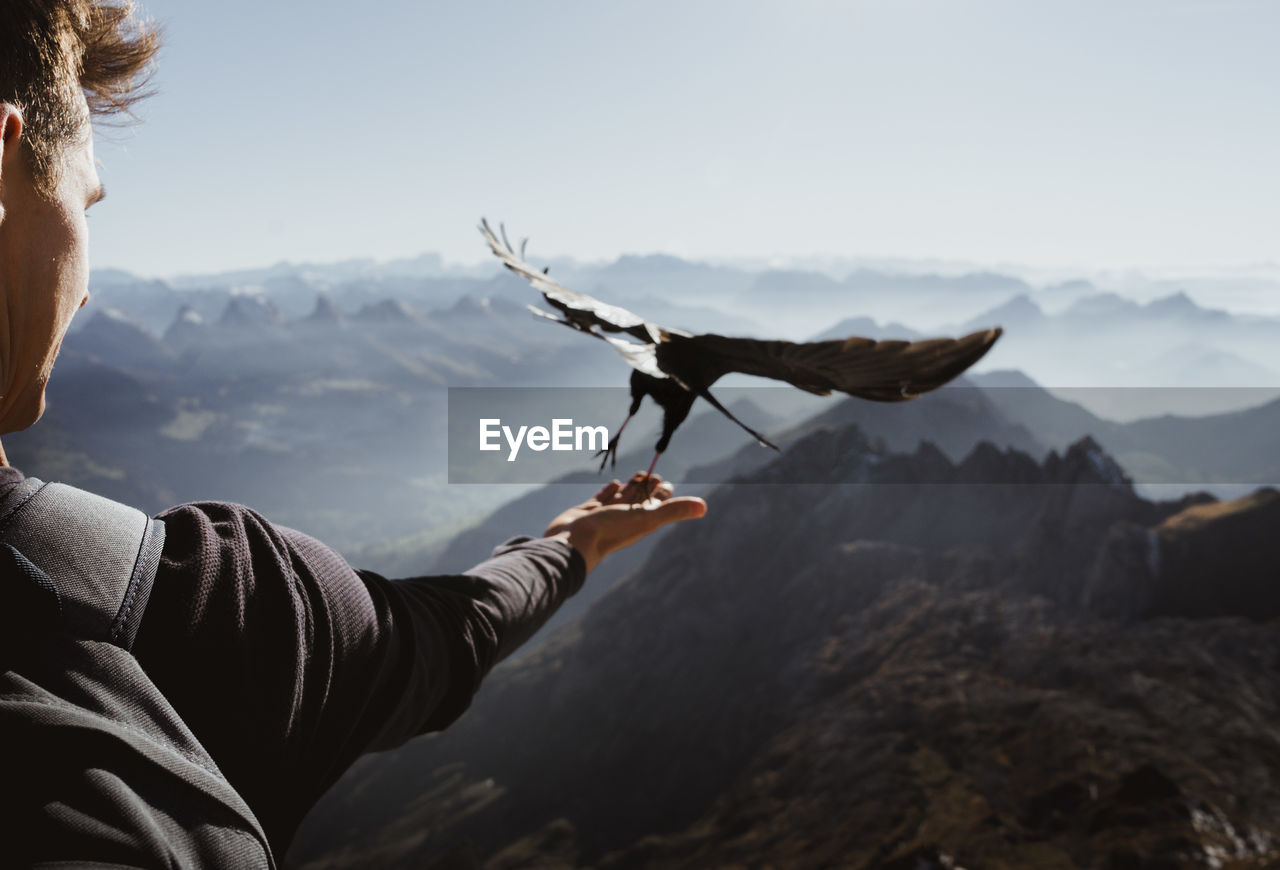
x=287, y=664
x=464, y=625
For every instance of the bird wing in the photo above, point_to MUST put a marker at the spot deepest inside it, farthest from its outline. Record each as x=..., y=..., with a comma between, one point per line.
x=582, y=310
x=642, y=357
x=884, y=371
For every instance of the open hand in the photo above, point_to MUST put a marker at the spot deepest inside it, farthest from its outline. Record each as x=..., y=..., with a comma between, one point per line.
x=615, y=517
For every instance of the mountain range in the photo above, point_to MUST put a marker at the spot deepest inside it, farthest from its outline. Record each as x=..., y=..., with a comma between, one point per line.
x=313, y=416
x=1171, y=353
x=1001, y=625
x=993, y=667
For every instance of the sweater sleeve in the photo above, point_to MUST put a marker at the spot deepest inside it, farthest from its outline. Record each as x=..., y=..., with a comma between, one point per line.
x=287, y=664
x=465, y=624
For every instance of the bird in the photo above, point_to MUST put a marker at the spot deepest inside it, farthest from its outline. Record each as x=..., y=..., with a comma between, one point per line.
x=675, y=368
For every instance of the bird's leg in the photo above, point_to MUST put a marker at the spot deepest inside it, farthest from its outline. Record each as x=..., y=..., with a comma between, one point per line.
x=611, y=451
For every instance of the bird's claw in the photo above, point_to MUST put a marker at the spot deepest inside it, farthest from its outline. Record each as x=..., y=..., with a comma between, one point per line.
x=644, y=492
x=610, y=454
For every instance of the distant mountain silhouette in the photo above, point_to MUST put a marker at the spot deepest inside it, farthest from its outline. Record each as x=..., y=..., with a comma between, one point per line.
x=483, y=306
x=797, y=288
x=650, y=263
x=239, y=402
x=187, y=328
x=792, y=293
x=954, y=418
x=388, y=311
x=1197, y=366
x=1107, y=341
x=1172, y=341
x=867, y=328
x=250, y=312
x=1017, y=315
x=1064, y=293
x=151, y=303
x=326, y=312
x=115, y=337
x=671, y=278
x=1234, y=447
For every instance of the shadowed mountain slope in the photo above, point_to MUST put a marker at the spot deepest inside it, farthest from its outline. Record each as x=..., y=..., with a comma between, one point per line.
x=872, y=672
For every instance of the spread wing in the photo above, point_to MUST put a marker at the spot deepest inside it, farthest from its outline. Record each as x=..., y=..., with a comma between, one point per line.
x=885, y=371
x=580, y=310
x=642, y=357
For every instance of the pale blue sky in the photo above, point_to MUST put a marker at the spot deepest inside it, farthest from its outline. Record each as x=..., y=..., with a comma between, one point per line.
x=1091, y=134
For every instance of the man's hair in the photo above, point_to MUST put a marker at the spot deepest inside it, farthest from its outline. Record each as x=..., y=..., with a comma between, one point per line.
x=52, y=49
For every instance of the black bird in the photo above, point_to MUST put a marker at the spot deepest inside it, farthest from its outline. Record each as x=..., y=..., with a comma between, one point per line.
x=675, y=368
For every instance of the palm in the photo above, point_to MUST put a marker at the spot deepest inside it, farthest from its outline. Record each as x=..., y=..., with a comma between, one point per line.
x=619, y=515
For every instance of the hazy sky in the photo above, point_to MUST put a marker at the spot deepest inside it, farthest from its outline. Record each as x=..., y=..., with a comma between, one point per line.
x=1098, y=134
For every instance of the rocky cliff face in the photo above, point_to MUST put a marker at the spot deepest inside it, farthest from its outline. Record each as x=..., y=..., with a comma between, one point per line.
x=913, y=663
x=1211, y=559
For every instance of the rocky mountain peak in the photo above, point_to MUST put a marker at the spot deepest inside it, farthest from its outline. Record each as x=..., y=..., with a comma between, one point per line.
x=325, y=312
x=187, y=325
x=115, y=336
x=112, y=319
x=470, y=306
x=1086, y=462
x=388, y=311
x=1174, y=303
x=487, y=305
x=990, y=464
x=249, y=311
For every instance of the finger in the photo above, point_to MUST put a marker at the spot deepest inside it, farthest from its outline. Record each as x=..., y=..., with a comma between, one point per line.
x=612, y=491
x=608, y=491
x=663, y=491
x=673, y=510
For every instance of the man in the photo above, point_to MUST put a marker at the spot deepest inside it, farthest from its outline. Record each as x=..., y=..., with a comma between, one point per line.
x=284, y=663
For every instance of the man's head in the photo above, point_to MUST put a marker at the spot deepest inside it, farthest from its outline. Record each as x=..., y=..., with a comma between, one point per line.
x=61, y=63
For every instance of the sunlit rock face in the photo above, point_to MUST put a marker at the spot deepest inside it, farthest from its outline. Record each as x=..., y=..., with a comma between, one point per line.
x=1211, y=559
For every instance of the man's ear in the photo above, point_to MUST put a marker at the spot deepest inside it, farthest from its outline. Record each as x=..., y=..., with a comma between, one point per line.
x=11, y=125
x=10, y=131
